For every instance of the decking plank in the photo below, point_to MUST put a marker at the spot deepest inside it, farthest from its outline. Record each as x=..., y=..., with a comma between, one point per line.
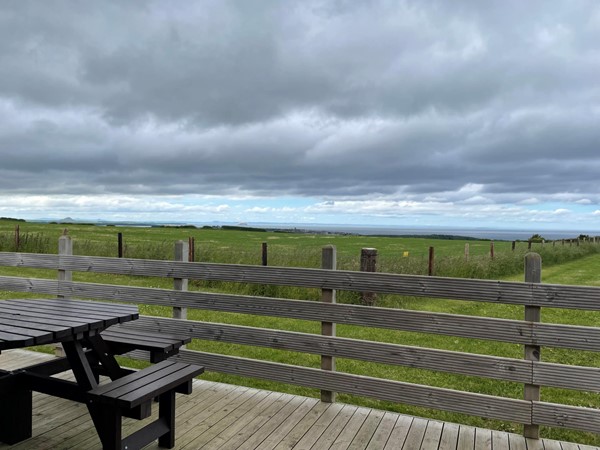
x=399, y=433
x=322, y=423
x=550, y=445
x=235, y=434
x=367, y=430
x=274, y=422
x=433, y=434
x=502, y=441
x=351, y=429
x=292, y=421
x=483, y=439
x=466, y=438
x=305, y=424
x=383, y=431
x=415, y=434
x=334, y=429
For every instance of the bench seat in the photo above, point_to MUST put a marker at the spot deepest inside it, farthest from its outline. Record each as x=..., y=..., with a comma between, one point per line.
x=127, y=337
x=110, y=401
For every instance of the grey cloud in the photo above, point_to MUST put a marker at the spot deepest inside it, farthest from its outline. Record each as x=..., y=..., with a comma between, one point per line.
x=338, y=99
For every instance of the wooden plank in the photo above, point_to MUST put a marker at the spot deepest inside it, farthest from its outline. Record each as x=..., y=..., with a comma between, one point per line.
x=399, y=433
x=31, y=285
x=365, y=435
x=567, y=376
x=433, y=435
x=547, y=295
x=573, y=417
x=548, y=444
x=331, y=433
x=383, y=431
x=514, y=331
x=349, y=432
x=466, y=438
x=221, y=410
x=31, y=260
x=307, y=422
x=439, y=360
x=483, y=439
x=502, y=441
x=415, y=435
x=449, y=438
x=429, y=397
x=531, y=444
x=236, y=433
x=274, y=423
x=318, y=427
x=569, y=446
x=291, y=421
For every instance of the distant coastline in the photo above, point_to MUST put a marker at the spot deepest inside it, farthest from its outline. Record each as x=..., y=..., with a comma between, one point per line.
x=430, y=232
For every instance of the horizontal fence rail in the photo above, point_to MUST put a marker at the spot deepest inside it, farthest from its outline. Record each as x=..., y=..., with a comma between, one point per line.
x=502, y=292
x=528, y=333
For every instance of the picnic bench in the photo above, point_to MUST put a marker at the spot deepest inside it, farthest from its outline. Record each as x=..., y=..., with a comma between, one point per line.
x=131, y=391
x=80, y=327
x=125, y=338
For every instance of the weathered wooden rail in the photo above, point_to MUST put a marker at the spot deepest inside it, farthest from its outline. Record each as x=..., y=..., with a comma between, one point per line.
x=530, y=332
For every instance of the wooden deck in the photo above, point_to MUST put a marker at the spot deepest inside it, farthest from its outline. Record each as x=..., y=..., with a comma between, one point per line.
x=221, y=416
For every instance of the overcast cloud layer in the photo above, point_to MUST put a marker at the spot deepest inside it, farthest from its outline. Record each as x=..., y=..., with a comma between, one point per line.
x=468, y=112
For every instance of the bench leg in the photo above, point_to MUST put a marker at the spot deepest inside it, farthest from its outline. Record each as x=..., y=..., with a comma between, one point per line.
x=15, y=416
x=166, y=413
x=107, y=421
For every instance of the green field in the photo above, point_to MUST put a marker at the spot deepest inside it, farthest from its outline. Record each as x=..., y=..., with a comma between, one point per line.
x=562, y=264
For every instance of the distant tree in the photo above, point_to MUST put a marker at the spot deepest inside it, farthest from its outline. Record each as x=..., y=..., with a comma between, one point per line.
x=536, y=238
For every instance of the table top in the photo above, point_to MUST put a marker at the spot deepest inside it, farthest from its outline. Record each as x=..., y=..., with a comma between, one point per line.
x=28, y=322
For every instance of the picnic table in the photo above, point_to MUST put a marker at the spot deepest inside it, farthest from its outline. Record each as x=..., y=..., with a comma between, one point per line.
x=78, y=326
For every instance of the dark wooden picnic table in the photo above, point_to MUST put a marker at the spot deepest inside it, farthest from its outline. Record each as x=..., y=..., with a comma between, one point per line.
x=77, y=326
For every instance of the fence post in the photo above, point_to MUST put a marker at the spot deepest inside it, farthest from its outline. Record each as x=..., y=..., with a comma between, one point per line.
x=65, y=248
x=265, y=254
x=514, y=244
x=533, y=274
x=368, y=263
x=431, y=261
x=17, y=238
x=120, y=244
x=182, y=251
x=492, y=249
x=466, y=252
x=192, y=249
x=328, y=261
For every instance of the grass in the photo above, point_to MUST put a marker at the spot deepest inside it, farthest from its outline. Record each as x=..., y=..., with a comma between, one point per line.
x=562, y=264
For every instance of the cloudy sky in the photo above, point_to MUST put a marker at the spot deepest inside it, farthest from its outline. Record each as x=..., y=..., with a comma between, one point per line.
x=414, y=113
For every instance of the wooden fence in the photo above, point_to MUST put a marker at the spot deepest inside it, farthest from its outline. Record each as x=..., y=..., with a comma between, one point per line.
x=530, y=332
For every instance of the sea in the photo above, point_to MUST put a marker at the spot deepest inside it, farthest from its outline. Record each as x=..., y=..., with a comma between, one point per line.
x=478, y=233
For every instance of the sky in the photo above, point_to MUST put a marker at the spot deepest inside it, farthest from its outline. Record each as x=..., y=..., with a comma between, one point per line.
x=396, y=113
